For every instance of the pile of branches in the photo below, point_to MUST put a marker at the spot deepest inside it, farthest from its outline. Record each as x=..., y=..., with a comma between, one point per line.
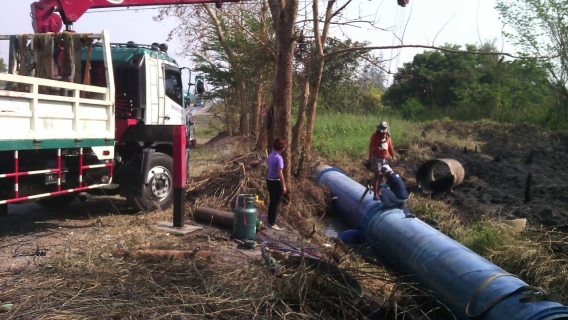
x=245, y=174
x=218, y=188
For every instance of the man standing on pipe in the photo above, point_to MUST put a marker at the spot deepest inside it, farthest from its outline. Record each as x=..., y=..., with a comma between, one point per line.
x=380, y=147
x=397, y=195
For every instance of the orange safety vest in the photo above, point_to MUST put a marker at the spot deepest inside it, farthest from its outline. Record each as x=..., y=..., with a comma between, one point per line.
x=381, y=146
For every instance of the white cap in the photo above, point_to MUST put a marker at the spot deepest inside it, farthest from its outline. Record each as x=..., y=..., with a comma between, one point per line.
x=386, y=168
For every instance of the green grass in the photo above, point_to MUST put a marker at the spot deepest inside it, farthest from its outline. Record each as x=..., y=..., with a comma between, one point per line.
x=206, y=127
x=485, y=237
x=345, y=134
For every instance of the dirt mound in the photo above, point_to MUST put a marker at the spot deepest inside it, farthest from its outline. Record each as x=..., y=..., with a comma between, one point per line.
x=499, y=160
x=223, y=140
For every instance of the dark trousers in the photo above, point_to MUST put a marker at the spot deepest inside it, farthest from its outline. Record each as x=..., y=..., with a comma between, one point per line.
x=275, y=192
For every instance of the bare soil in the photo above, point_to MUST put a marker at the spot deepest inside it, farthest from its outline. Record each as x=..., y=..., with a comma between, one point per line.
x=497, y=163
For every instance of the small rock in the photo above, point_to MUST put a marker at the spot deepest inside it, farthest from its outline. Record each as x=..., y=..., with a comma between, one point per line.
x=518, y=225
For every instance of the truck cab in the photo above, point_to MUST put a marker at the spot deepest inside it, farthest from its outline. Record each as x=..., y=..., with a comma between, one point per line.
x=80, y=114
x=147, y=82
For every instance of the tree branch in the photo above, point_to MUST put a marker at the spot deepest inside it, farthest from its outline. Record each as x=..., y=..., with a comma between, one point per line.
x=220, y=32
x=268, y=48
x=328, y=17
x=317, y=35
x=341, y=9
x=434, y=48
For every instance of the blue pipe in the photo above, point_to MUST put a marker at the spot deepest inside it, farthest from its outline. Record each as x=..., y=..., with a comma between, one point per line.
x=469, y=285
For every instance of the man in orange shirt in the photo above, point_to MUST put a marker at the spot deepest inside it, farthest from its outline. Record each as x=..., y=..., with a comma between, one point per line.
x=380, y=147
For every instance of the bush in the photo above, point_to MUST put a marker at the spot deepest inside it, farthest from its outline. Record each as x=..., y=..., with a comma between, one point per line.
x=483, y=238
x=411, y=109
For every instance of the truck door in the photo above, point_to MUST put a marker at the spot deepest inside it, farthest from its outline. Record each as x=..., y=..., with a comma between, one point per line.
x=153, y=91
x=174, y=113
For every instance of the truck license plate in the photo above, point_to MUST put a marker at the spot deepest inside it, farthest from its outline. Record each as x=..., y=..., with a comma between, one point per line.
x=51, y=178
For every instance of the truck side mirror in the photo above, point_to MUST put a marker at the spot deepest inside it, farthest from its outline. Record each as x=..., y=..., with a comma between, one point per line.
x=200, y=86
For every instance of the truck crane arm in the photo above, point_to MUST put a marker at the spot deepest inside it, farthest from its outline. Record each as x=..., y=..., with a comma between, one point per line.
x=50, y=15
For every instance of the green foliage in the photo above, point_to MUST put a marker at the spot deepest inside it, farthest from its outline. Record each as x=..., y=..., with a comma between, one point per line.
x=411, y=109
x=351, y=97
x=341, y=67
x=370, y=100
x=2, y=66
x=347, y=85
x=541, y=31
x=483, y=237
x=473, y=87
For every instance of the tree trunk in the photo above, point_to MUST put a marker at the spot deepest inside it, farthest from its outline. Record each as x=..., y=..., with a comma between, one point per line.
x=284, y=15
x=315, y=82
x=297, y=148
x=261, y=140
x=255, y=116
x=240, y=84
x=311, y=114
x=242, y=101
x=229, y=118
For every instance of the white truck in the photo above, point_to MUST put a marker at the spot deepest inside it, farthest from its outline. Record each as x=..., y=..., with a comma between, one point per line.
x=78, y=114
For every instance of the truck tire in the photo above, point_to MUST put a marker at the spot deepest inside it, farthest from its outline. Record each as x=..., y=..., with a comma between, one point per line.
x=57, y=201
x=158, y=190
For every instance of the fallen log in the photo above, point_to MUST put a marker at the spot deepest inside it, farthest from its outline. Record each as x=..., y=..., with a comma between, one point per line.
x=177, y=254
x=214, y=217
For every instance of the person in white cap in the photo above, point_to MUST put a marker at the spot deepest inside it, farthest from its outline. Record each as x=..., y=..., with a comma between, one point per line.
x=396, y=195
x=380, y=147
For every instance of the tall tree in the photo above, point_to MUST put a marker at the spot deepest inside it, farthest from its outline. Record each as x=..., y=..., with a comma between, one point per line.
x=284, y=13
x=229, y=45
x=237, y=68
x=341, y=85
x=316, y=68
x=541, y=30
x=471, y=87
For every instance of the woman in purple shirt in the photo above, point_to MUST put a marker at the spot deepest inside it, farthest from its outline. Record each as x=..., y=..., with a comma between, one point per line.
x=275, y=181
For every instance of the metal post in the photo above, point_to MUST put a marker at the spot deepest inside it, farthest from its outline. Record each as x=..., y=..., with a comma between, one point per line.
x=178, y=140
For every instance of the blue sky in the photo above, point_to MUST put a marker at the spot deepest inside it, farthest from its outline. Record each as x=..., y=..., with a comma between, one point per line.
x=465, y=22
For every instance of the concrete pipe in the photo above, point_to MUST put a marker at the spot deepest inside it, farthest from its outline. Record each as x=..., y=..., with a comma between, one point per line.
x=439, y=175
x=214, y=217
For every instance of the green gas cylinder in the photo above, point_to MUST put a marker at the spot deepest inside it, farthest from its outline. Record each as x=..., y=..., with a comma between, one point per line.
x=244, y=223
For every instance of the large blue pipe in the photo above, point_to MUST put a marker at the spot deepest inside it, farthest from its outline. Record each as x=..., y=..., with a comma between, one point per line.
x=469, y=285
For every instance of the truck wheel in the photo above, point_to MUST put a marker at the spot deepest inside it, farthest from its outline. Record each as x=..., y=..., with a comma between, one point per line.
x=57, y=201
x=157, y=192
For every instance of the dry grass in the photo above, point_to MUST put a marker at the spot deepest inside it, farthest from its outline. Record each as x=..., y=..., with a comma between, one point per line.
x=530, y=255
x=91, y=274
x=532, y=259
x=91, y=280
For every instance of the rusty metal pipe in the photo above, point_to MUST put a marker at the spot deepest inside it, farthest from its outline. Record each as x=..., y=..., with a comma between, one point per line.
x=429, y=184
x=215, y=217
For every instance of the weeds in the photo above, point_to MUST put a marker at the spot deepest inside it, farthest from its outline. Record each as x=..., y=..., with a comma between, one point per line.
x=484, y=237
